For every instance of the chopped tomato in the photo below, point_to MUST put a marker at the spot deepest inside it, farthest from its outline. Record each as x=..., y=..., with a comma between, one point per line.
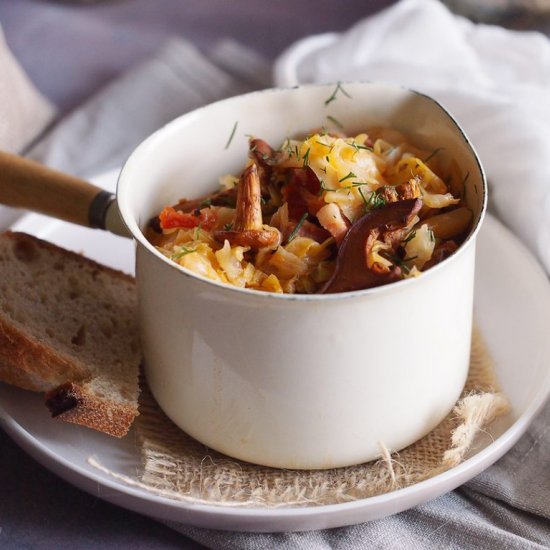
x=171, y=218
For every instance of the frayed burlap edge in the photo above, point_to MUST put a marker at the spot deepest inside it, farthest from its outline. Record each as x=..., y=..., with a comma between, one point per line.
x=178, y=467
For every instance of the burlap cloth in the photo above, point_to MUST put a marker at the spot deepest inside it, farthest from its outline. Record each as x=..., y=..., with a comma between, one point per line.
x=178, y=467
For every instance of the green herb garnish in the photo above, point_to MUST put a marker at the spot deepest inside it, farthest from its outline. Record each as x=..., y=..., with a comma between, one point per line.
x=228, y=227
x=323, y=188
x=350, y=175
x=325, y=144
x=297, y=228
x=335, y=121
x=432, y=154
x=183, y=252
x=373, y=202
x=358, y=147
x=205, y=203
x=464, y=185
x=335, y=93
x=355, y=184
x=378, y=201
x=285, y=145
x=367, y=202
x=402, y=262
x=305, y=158
x=232, y=135
x=409, y=238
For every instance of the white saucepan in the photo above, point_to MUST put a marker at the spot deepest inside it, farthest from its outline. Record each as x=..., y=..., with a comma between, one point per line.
x=291, y=381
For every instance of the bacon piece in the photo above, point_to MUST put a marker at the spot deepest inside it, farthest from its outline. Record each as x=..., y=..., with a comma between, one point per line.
x=440, y=253
x=308, y=230
x=302, y=193
x=331, y=218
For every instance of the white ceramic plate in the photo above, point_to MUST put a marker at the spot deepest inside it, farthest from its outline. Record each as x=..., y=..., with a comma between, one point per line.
x=512, y=303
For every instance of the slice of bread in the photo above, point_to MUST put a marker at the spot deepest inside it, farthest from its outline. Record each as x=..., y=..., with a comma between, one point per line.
x=68, y=327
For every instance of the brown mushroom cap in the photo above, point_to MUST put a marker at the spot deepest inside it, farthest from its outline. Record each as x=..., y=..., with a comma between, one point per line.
x=253, y=238
x=351, y=271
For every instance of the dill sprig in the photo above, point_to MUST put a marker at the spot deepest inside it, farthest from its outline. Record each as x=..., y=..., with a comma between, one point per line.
x=367, y=202
x=373, y=202
x=324, y=144
x=324, y=187
x=355, y=184
x=297, y=228
x=183, y=252
x=401, y=262
x=338, y=88
x=232, y=135
x=464, y=185
x=378, y=201
x=409, y=238
x=335, y=121
x=358, y=147
x=305, y=158
x=350, y=175
x=432, y=154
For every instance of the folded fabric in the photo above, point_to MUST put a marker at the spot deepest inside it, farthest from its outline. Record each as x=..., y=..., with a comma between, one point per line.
x=24, y=112
x=102, y=133
x=496, y=82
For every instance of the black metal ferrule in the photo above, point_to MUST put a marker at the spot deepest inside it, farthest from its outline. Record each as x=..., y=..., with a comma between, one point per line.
x=98, y=209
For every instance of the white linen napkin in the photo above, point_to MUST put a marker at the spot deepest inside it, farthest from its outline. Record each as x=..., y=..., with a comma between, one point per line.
x=24, y=112
x=496, y=82
x=101, y=134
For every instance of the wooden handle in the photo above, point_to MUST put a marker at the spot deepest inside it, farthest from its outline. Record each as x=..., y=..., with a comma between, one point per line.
x=33, y=186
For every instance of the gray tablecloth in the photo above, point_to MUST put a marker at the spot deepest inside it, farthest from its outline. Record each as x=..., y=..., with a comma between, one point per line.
x=508, y=506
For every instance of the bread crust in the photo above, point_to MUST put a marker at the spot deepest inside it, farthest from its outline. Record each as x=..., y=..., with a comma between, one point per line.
x=29, y=364
x=72, y=403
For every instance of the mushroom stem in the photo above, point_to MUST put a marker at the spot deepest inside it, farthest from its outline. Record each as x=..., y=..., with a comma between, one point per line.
x=249, y=201
x=248, y=229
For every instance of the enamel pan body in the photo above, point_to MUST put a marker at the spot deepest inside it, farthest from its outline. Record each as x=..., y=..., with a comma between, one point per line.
x=298, y=381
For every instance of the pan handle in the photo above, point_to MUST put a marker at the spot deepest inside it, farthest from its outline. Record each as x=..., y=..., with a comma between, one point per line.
x=33, y=186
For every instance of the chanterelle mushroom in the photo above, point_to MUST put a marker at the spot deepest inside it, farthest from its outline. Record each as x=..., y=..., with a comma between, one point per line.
x=352, y=271
x=248, y=228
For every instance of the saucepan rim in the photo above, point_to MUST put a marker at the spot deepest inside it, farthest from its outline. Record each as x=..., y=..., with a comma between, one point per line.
x=136, y=232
